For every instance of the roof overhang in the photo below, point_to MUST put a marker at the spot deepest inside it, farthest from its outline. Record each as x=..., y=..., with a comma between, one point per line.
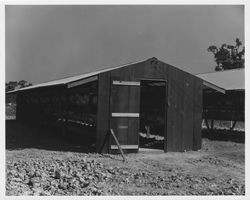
x=222, y=81
x=82, y=81
x=68, y=85
x=74, y=81
x=213, y=86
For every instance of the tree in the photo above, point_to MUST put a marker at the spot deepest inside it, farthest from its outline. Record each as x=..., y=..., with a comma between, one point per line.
x=12, y=85
x=228, y=56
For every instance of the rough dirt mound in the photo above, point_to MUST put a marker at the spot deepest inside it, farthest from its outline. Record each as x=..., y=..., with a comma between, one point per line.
x=218, y=169
x=56, y=177
x=45, y=164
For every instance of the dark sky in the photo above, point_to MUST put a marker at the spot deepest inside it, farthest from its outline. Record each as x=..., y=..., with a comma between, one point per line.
x=50, y=42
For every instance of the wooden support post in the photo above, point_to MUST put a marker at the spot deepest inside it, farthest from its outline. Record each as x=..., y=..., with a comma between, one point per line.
x=62, y=114
x=65, y=112
x=212, y=124
x=116, y=141
x=18, y=102
x=147, y=127
x=38, y=110
x=104, y=141
x=118, y=144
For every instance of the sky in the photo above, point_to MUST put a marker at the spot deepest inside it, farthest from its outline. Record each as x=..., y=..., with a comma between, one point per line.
x=47, y=42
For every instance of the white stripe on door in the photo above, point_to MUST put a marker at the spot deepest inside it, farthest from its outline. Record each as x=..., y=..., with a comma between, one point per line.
x=125, y=114
x=125, y=146
x=132, y=83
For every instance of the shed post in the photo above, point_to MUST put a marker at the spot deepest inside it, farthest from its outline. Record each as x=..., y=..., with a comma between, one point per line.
x=65, y=106
x=166, y=119
x=103, y=111
x=18, y=107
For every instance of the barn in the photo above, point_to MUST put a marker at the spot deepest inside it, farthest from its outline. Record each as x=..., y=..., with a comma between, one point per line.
x=125, y=99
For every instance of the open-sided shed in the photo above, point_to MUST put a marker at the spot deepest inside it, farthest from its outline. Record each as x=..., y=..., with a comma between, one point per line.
x=120, y=98
x=228, y=102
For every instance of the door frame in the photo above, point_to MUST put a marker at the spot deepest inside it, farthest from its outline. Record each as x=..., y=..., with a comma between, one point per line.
x=136, y=83
x=165, y=107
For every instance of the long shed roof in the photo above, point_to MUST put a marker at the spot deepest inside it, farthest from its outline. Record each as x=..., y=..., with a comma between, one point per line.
x=225, y=80
x=228, y=79
x=71, y=79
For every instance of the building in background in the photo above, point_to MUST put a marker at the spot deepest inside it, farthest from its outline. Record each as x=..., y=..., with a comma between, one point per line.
x=226, y=103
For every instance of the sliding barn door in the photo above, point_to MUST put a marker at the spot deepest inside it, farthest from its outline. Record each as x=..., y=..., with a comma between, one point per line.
x=125, y=108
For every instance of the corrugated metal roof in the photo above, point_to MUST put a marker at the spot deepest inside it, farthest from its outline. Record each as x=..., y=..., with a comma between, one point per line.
x=228, y=79
x=73, y=78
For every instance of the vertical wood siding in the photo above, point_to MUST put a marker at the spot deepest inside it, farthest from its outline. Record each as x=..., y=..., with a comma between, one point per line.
x=183, y=102
x=103, y=110
x=198, y=89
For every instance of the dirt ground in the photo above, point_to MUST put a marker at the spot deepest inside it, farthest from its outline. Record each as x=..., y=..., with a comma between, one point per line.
x=38, y=169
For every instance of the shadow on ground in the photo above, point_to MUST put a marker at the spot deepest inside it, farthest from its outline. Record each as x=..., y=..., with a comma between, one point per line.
x=224, y=135
x=21, y=136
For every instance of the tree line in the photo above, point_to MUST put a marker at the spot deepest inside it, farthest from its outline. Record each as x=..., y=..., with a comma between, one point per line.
x=14, y=85
x=228, y=56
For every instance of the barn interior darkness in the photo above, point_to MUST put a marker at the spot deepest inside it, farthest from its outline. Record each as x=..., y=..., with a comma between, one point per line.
x=71, y=111
x=82, y=114
x=152, y=113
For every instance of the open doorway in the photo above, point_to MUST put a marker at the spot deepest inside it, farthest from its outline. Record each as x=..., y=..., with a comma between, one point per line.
x=152, y=114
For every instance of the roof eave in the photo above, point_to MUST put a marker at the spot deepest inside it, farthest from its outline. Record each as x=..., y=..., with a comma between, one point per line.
x=30, y=88
x=215, y=87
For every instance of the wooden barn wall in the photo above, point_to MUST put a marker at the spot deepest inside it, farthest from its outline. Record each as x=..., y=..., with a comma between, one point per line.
x=198, y=99
x=103, y=111
x=19, y=107
x=184, y=112
x=184, y=103
x=184, y=99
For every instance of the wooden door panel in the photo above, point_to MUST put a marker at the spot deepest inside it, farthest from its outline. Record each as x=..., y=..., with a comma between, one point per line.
x=134, y=100
x=119, y=99
x=125, y=106
x=120, y=128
